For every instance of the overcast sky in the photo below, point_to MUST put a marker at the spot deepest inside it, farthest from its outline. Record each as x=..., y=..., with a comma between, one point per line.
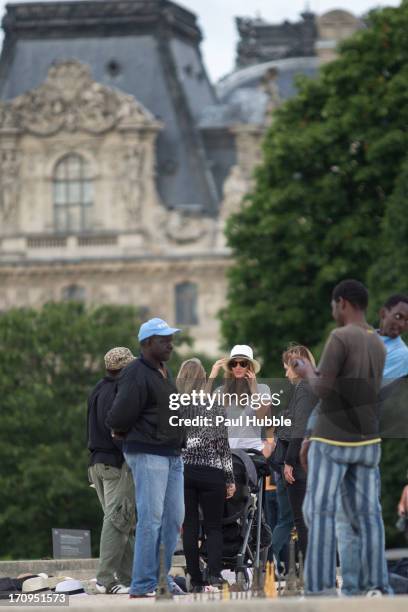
x=216, y=18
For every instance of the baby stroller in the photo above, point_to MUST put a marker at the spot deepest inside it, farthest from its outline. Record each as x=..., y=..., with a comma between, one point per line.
x=246, y=536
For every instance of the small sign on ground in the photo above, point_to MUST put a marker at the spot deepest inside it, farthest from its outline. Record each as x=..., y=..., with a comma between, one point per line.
x=71, y=543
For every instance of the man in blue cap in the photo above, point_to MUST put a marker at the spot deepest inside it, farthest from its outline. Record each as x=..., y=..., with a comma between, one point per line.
x=152, y=450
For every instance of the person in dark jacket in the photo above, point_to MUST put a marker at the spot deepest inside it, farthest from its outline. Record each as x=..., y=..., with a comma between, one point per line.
x=152, y=447
x=300, y=408
x=113, y=482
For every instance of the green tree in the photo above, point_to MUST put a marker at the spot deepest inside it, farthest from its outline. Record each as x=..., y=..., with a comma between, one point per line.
x=331, y=161
x=328, y=203
x=389, y=274
x=49, y=361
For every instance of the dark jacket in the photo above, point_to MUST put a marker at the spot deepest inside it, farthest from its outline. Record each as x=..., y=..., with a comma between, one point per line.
x=298, y=411
x=104, y=449
x=141, y=411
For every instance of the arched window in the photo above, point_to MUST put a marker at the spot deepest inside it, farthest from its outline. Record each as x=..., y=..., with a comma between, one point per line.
x=74, y=293
x=186, y=304
x=73, y=194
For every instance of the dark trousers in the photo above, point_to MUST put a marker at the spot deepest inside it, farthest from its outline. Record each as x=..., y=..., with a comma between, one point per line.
x=281, y=533
x=271, y=514
x=209, y=493
x=297, y=492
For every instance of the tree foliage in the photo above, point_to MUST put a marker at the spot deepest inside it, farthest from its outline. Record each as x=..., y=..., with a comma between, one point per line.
x=321, y=207
x=49, y=361
x=329, y=202
x=390, y=270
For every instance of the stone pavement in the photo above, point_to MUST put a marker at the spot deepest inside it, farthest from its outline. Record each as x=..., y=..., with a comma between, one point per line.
x=84, y=570
x=121, y=603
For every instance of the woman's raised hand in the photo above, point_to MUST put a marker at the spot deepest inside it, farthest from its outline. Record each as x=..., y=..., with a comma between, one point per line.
x=215, y=370
x=251, y=377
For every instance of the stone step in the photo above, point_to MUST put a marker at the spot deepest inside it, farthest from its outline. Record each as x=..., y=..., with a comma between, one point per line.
x=82, y=569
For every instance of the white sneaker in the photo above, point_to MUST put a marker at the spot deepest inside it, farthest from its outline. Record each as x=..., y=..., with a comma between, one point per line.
x=374, y=593
x=118, y=589
x=209, y=588
x=149, y=594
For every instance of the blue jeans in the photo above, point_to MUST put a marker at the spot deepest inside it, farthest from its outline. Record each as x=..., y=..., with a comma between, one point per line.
x=351, y=474
x=159, y=486
x=281, y=533
x=271, y=514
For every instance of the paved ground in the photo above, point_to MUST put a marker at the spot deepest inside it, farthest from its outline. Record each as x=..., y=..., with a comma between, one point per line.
x=84, y=569
x=121, y=603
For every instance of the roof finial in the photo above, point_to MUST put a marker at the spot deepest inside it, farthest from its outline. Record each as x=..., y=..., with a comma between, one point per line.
x=307, y=7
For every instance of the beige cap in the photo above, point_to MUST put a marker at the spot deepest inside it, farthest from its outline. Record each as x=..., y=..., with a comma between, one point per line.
x=118, y=357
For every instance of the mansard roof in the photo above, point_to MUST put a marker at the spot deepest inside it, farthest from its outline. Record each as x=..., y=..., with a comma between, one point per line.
x=98, y=16
x=146, y=48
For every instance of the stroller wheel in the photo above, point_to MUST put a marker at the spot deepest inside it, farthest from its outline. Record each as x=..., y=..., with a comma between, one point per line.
x=242, y=578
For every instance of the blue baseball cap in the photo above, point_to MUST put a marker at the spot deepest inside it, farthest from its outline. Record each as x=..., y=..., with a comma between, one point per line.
x=155, y=327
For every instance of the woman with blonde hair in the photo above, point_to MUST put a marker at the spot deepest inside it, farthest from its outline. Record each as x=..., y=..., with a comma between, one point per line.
x=289, y=439
x=208, y=480
x=242, y=395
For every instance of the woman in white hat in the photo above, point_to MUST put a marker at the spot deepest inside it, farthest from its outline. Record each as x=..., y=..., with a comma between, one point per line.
x=244, y=398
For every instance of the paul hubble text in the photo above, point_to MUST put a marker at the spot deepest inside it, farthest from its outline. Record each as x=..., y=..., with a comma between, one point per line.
x=217, y=421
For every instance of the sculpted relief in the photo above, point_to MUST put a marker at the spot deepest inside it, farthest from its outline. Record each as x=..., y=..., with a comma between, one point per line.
x=133, y=180
x=69, y=99
x=9, y=185
x=183, y=229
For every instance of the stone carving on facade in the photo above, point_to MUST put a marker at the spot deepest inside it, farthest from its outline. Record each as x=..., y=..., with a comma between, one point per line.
x=10, y=161
x=70, y=100
x=248, y=139
x=235, y=188
x=183, y=228
x=133, y=181
x=270, y=86
x=234, y=191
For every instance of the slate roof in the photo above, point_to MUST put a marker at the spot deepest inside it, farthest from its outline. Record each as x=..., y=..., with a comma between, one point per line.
x=241, y=98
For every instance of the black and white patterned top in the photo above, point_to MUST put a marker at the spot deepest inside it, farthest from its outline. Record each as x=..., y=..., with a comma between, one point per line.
x=208, y=446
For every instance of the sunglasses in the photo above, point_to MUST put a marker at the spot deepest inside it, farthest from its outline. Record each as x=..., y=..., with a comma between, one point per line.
x=234, y=364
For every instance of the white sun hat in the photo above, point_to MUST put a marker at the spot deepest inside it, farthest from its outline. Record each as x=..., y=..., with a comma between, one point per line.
x=245, y=351
x=71, y=587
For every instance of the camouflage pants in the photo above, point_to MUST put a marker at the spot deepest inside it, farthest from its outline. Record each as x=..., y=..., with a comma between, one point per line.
x=115, y=491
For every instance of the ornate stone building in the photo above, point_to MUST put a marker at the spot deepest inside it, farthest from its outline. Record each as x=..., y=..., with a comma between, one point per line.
x=119, y=161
